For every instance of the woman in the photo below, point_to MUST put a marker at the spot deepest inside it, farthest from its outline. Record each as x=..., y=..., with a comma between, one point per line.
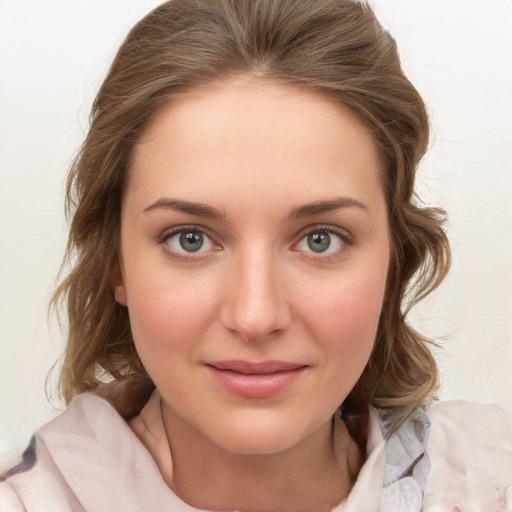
x=243, y=239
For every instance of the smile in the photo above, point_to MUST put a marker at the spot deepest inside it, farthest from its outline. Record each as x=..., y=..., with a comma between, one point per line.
x=255, y=380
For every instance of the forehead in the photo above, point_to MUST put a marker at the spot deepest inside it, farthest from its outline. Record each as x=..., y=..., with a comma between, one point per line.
x=254, y=135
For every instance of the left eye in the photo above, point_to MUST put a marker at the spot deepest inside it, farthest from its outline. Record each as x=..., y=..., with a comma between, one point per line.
x=189, y=241
x=321, y=241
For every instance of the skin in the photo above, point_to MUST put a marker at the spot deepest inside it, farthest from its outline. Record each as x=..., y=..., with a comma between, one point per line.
x=256, y=152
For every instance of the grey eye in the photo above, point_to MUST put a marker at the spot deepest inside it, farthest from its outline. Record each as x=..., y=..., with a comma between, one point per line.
x=319, y=242
x=191, y=241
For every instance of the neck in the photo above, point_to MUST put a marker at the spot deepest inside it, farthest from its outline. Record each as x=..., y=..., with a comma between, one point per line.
x=314, y=475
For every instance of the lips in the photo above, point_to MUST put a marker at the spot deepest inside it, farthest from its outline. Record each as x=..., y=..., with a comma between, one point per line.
x=255, y=380
x=248, y=368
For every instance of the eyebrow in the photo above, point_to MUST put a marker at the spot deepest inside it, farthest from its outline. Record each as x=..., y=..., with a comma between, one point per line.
x=200, y=209
x=305, y=210
x=319, y=207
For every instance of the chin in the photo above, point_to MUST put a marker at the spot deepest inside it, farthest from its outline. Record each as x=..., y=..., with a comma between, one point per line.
x=260, y=435
x=256, y=445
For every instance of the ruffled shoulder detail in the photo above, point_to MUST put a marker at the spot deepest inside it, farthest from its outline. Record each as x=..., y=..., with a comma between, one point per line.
x=470, y=449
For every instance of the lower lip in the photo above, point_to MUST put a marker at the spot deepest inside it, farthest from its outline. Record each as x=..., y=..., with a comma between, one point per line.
x=256, y=386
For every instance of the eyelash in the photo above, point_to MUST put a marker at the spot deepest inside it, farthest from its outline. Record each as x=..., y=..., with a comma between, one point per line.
x=190, y=228
x=345, y=237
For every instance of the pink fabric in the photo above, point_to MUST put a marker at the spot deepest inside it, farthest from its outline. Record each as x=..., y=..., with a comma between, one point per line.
x=470, y=450
x=89, y=459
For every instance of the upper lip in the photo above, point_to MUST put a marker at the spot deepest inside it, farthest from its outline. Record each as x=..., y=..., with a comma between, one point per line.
x=255, y=368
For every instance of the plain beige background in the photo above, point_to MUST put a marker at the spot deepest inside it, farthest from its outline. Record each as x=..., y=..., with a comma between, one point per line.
x=53, y=55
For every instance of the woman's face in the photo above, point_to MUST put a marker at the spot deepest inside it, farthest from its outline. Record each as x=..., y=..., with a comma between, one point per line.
x=253, y=262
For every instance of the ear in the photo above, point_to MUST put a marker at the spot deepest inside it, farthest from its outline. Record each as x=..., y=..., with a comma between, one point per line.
x=117, y=283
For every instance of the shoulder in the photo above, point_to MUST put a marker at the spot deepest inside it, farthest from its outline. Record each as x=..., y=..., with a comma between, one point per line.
x=470, y=450
x=88, y=442
x=9, y=500
x=36, y=484
x=470, y=416
x=39, y=481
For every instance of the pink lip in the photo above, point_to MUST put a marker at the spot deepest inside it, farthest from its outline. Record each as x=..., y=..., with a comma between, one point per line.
x=255, y=380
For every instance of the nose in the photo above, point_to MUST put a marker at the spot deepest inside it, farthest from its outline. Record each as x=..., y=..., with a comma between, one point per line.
x=256, y=305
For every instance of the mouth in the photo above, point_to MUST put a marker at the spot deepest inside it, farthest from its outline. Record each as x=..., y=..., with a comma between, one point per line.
x=248, y=368
x=255, y=380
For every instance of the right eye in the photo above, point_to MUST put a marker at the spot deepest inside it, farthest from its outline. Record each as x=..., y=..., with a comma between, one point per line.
x=188, y=240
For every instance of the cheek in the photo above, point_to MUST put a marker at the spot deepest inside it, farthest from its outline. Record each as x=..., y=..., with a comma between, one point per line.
x=345, y=326
x=350, y=306
x=168, y=313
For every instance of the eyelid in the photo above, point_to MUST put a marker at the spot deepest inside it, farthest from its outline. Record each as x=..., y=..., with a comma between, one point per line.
x=175, y=230
x=329, y=228
x=168, y=232
x=345, y=236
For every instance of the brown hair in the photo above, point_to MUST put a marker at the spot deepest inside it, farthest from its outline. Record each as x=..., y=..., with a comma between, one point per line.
x=336, y=47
